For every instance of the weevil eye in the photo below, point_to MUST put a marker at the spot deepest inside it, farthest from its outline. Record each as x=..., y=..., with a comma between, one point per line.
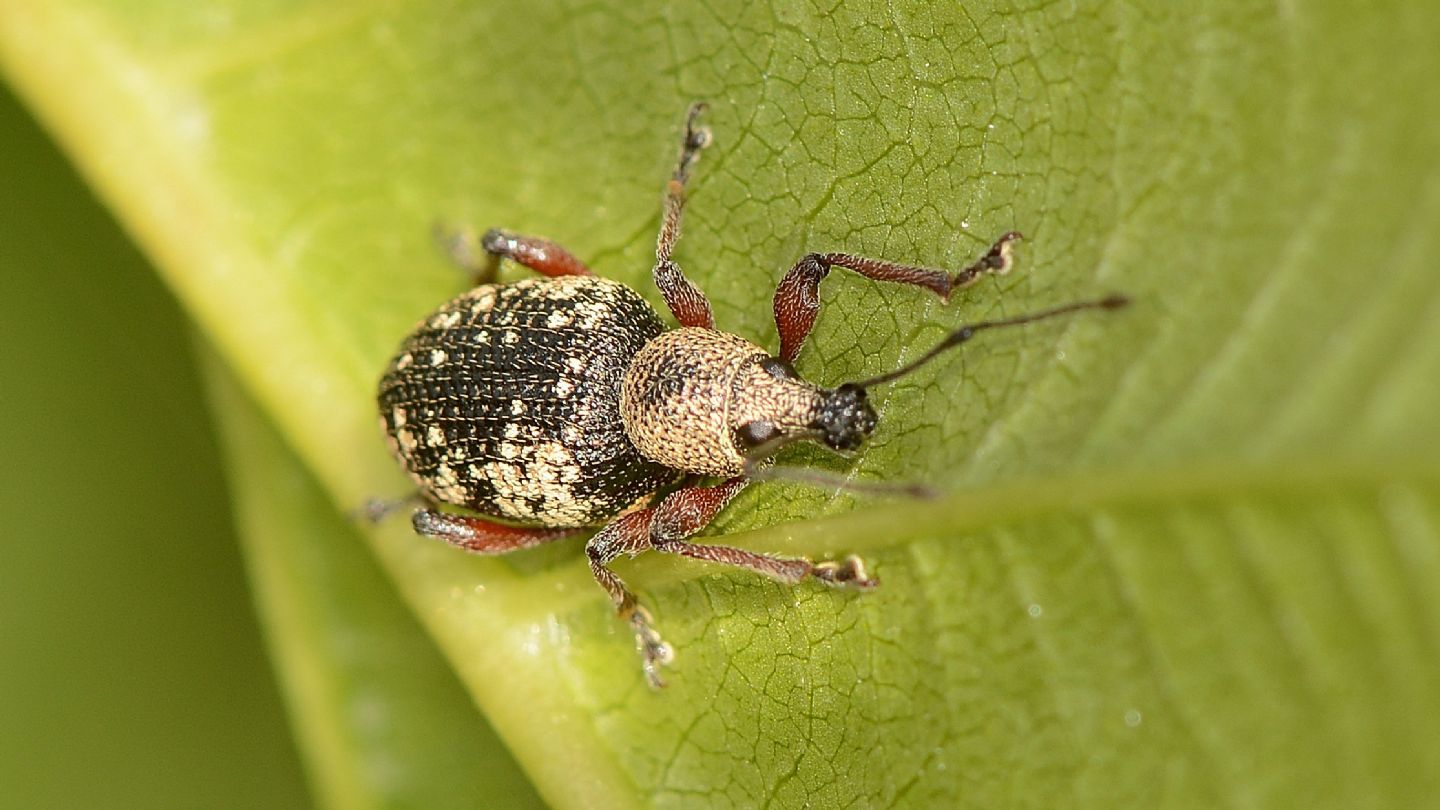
x=779, y=369
x=753, y=434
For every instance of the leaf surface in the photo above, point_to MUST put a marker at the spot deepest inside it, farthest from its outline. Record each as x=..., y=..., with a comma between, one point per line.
x=1191, y=547
x=382, y=719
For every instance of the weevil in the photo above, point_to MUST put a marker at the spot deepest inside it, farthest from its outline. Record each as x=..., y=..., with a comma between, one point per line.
x=551, y=405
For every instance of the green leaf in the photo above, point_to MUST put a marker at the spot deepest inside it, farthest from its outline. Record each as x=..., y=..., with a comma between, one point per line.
x=382, y=719
x=132, y=672
x=1191, y=552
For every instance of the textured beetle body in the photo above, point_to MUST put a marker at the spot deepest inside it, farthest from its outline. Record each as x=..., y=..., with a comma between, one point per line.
x=506, y=401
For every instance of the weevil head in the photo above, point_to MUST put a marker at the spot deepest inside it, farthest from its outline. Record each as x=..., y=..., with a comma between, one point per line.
x=775, y=406
x=708, y=402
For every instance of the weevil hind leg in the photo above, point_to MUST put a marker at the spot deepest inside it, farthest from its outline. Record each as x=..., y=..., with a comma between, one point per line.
x=479, y=255
x=541, y=255
x=479, y=536
x=376, y=510
x=462, y=247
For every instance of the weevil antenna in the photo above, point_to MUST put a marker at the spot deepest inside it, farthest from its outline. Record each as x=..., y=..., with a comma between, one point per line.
x=968, y=331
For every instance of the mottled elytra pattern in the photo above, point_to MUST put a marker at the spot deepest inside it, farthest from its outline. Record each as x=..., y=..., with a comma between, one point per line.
x=506, y=401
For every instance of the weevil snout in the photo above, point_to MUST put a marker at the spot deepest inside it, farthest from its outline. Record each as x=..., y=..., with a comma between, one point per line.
x=845, y=418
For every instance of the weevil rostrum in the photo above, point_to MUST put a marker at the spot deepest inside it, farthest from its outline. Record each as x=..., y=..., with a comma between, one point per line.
x=551, y=405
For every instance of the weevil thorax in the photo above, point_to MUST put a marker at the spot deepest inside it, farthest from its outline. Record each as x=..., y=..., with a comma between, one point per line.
x=690, y=392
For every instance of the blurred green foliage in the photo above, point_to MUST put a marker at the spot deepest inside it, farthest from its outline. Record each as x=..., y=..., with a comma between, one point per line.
x=131, y=669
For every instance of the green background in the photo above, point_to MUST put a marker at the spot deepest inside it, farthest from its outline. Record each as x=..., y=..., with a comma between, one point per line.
x=1188, y=554
x=131, y=667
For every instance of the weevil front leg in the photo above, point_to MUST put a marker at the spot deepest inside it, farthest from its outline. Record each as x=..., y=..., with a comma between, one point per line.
x=666, y=528
x=797, y=298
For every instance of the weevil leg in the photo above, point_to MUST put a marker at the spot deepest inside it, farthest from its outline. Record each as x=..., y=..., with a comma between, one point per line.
x=480, y=256
x=480, y=536
x=462, y=247
x=997, y=261
x=541, y=255
x=629, y=535
x=685, y=300
x=375, y=510
x=687, y=511
x=797, y=298
x=665, y=528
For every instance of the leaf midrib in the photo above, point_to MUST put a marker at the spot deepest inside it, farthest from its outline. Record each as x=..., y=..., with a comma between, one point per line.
x=1083, y=492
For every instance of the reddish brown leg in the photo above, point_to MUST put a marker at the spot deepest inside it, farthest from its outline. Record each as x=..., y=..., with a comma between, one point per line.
x=797, y=298
x=480, y=536
x=480, y=257
x=665, y=527
x=629, y=535
x=541, y=255
x=686, y=301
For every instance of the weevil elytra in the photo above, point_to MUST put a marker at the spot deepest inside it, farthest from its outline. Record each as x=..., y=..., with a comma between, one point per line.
x=550, y=405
